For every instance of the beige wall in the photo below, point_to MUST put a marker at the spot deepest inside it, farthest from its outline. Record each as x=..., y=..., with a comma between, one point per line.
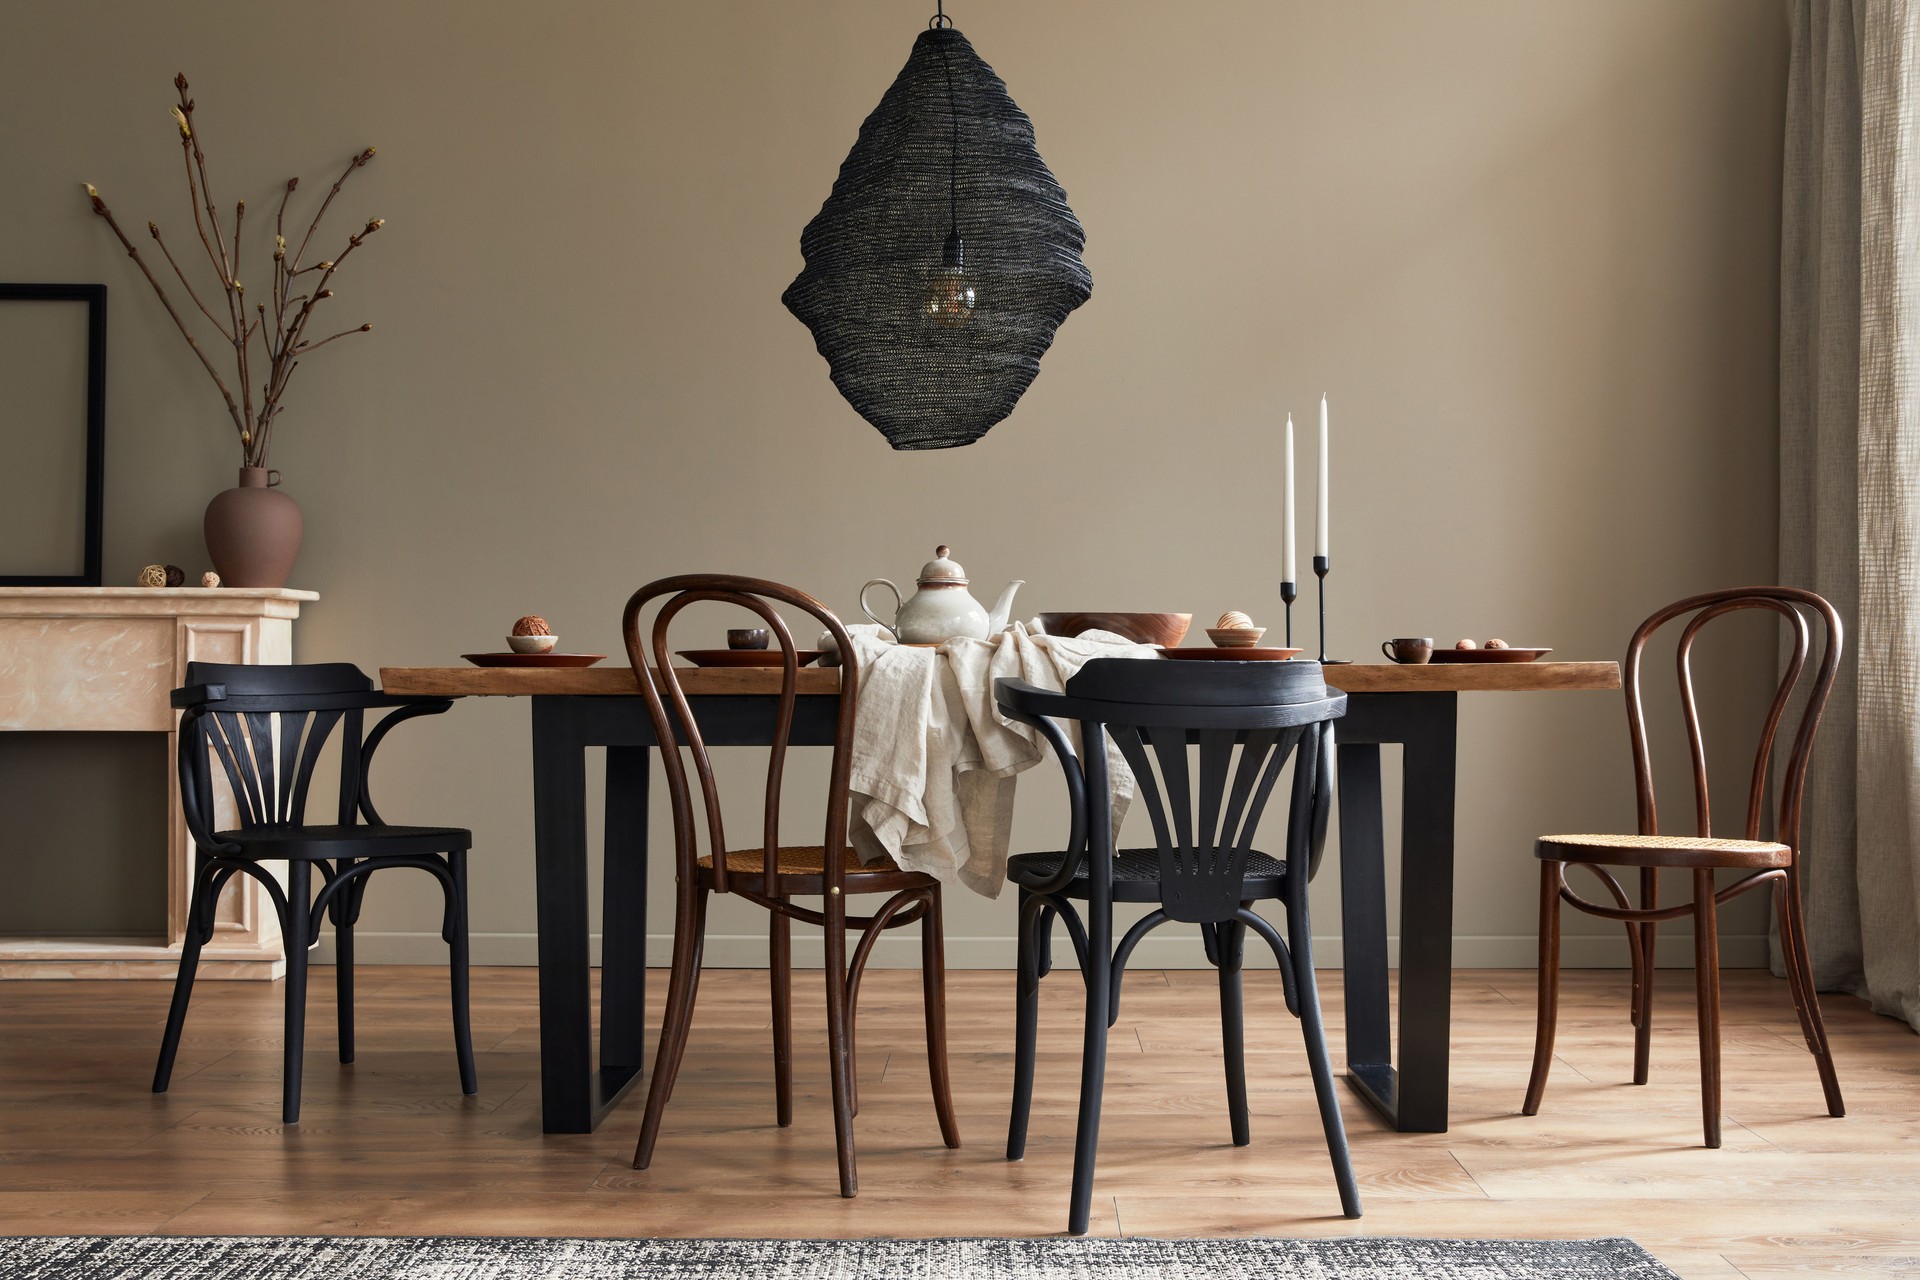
x=1528, y=248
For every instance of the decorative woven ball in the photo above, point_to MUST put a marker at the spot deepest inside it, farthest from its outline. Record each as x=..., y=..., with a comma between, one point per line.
x=176, y=576
x=532, y=625
x=209, y=579
x=1496, y=644
x=1465, y=644
x=1234, y=620
x=154, y=575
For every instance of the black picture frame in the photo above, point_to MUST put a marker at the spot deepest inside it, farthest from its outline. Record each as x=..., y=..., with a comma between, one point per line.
x=95, y=296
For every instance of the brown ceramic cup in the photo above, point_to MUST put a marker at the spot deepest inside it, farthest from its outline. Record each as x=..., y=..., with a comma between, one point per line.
x=747, y=638
x=1408, y=649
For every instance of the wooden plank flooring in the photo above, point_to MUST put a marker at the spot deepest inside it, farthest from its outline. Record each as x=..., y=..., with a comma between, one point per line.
x=388, y=1145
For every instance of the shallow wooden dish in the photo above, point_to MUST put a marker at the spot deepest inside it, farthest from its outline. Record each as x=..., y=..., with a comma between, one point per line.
x=1486, y=655
x=1239, y=653
x=1167, y=629
x=745, y=657
x=1236, y=637
x=533, y=659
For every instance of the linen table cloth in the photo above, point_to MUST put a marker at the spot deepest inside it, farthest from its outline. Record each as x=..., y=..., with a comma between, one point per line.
x=934, y=761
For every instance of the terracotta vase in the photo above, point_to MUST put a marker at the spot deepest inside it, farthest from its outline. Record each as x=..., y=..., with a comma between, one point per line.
x=253, y=531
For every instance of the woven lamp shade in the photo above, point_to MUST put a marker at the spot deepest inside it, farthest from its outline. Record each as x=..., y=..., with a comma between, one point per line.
x=945, y=151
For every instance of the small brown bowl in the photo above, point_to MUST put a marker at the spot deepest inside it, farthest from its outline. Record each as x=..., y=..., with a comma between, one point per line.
x=1235, y=637
x=1165, y=629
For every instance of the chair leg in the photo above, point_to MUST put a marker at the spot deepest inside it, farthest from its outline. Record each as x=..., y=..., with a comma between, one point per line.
x=1643, y=1026
x=1552, y=875
x=182, y=985
x=457, y=949
x=340, y=910
x=1793, y=924
x=1706, y=964
x=689, y=941
x=1233, y=1030
x=1093, y=1064
x=298, y=927
x=1313, y=1030
x=933, y=979
x=1026, y=1019
x=780, y=969
x=840, y=1042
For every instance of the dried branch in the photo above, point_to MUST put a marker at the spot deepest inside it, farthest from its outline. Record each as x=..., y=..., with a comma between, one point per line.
x=358, y=162
x=305, y=347
x=153, y=230
x=100, y=208
x=281, y=321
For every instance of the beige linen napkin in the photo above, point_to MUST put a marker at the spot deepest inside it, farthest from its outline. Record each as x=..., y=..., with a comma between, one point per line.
x=934, y=760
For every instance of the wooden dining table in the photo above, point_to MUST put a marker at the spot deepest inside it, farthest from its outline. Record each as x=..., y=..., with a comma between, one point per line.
x=574, y=709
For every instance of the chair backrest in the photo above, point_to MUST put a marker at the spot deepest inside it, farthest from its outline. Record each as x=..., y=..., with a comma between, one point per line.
x=1793, y=605
x=674, y=722
x=1203, y=817
x=267, y=725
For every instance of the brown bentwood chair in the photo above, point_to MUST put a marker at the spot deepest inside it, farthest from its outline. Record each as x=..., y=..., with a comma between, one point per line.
x=774, y=874
x=1766, y=861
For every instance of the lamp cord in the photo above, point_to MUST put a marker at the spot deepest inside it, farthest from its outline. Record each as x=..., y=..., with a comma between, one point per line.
x=942, y=22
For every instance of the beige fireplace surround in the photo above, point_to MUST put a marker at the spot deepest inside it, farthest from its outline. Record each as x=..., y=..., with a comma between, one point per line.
x=102, y=659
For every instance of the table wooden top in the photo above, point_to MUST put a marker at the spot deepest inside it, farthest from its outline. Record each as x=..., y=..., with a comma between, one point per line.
x=616, y=679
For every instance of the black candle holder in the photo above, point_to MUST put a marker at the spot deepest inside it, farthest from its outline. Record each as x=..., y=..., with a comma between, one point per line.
x=1321, y=567
x=1289, y=593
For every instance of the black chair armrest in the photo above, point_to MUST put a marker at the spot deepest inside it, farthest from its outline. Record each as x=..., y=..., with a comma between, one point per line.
x=1021, y=701
x=405, y=708
x=197, y=695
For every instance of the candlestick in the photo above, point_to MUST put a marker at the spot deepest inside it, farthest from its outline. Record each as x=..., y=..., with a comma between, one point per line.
x=1321, y=567
x=1288, y=558
x=1289, y=593
x=1320, y=548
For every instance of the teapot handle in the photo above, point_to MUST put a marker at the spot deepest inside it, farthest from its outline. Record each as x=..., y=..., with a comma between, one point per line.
x=888, y=584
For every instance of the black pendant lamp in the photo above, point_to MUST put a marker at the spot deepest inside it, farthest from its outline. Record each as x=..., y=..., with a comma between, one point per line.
x=945, y=257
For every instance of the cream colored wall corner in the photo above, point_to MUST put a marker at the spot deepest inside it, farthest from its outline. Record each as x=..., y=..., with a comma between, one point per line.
x=1529, y=249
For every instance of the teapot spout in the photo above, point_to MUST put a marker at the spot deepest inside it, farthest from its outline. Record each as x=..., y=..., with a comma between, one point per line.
x=997, y=617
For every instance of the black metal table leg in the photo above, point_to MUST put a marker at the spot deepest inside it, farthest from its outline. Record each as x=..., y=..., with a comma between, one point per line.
x=1414, y=1098
x=623, y=927
x=1363, y=928
x=560, y=897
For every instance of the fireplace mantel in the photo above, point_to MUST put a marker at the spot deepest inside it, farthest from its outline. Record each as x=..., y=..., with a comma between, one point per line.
x=103, y=659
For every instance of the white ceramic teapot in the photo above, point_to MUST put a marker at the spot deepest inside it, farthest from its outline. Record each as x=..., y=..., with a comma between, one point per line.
x=941, y=609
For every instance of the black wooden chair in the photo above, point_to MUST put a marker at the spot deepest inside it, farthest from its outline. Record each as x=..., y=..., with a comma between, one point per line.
x=268, y=726
x=1203, y=868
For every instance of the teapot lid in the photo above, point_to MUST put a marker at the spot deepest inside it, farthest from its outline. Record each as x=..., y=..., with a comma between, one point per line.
x=942, y=571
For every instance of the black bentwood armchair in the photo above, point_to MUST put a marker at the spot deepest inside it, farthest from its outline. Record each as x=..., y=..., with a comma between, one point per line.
x=1202, y=868
x=268, y=726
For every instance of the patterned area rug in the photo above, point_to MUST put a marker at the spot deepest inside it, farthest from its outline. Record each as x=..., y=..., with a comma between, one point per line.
x=298, y=1258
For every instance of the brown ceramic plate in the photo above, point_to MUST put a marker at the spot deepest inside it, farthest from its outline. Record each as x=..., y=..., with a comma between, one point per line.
x=1243, y=653
x=1487, y=655
x=533, y=659
x=743, y=657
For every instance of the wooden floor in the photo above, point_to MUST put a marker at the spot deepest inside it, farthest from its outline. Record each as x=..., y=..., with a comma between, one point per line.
x=388, y=1145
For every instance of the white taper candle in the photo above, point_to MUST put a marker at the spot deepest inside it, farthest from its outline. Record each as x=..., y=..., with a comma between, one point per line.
x=1288, y=556
x=1320, y=537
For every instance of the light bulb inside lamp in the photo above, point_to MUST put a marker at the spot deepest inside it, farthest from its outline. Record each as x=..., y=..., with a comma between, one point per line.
x=950, y=291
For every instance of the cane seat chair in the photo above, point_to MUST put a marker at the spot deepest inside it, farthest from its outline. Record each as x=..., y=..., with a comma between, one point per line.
x=268, y=726
x=1202, y=868
x=1758, y=861
x=774, y=874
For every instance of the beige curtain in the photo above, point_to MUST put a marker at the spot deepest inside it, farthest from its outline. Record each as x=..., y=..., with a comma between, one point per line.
x=1850, y=473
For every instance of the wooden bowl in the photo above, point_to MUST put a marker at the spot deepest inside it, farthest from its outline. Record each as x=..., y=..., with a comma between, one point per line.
x=1167, y=629
x=1235, y=637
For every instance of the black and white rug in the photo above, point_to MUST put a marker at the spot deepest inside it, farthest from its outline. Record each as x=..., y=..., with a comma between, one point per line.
x=301, y=1258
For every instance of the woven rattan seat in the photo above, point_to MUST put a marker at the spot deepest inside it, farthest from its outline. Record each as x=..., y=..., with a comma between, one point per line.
x=1136, y=874
x=1663, y=851
x=808, y=863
